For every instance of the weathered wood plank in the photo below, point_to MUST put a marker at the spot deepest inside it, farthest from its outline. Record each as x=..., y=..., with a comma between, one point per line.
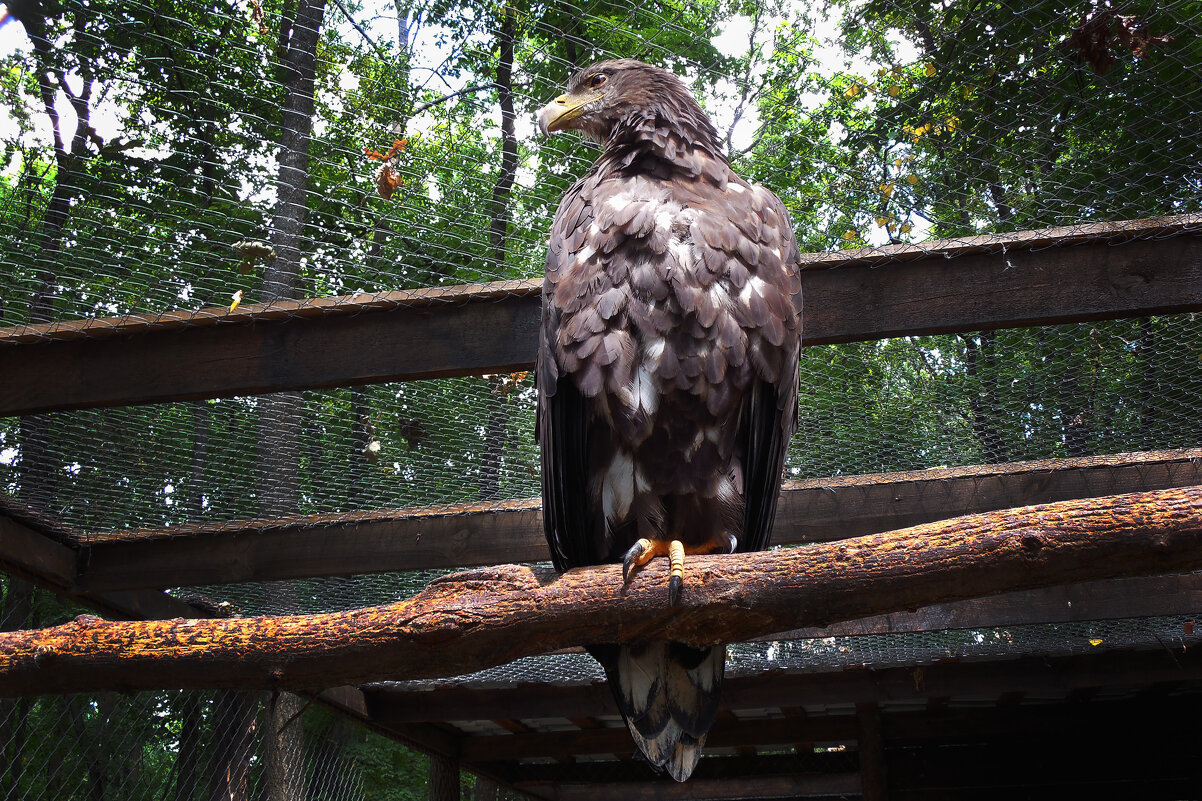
x=1146, y=596
x=1040, y=675
x=477, y=619
x=382, y=343
x=959, y=754
x=636, y=769
x=484, y=534
x=566, y=744
x=1009, y=281
x=747, y=787
x=35, y=557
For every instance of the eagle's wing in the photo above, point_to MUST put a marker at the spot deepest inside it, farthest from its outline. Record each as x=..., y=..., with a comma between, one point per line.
x=574, y=536
x=769, y=415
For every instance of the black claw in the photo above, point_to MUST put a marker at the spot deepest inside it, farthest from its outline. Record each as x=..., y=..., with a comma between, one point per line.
x=628, y=563
x=674, y=586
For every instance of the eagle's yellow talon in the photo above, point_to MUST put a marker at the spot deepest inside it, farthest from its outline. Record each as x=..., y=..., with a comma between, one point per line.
x=640, y=554
x=676, y=570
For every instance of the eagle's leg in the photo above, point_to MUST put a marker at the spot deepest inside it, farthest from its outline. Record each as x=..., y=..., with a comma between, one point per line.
x=644, y=550
x=676, y=570
x=641, y=553
x=677, y=552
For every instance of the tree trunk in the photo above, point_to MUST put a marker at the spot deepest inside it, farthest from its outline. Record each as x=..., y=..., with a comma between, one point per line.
x=871, y=750
x=444, y=778
x=981, y=365
x=298, y=68
x=233, y=746
x=284, y=748
x=494, y=440
x=499, y=213
x=476, y=619
x=280, y=414
x=187, y=761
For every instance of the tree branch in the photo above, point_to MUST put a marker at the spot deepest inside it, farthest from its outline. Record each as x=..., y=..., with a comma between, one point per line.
x=346, y=14
x=476, y=619
x=469, y=90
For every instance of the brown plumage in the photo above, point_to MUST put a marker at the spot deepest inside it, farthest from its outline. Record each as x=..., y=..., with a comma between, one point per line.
x=667, y=369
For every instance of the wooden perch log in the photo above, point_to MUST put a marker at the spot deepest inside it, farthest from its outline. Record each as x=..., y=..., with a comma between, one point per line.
x=480, y=618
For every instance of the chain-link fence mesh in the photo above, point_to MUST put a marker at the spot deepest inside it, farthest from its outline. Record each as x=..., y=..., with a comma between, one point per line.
x=161, y=157
x=191, y=745
x=889, y=405
x=144, y=166
x=875, y=121
x=181, y=745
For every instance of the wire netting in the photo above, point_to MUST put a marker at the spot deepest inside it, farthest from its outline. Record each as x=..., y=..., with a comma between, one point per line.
x=875, y=121
x=177, y=745
x=151, y=746
x=868, y=651
x=912, y=403
x=146, y=169
x=172, y=157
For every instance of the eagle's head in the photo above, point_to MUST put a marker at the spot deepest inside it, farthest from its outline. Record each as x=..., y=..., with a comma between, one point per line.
x=611, y=102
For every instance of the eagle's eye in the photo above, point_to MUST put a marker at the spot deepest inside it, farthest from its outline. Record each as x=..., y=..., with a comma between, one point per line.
x=598, y=80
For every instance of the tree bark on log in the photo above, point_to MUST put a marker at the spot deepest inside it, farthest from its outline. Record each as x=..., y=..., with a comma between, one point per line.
x=479, y=618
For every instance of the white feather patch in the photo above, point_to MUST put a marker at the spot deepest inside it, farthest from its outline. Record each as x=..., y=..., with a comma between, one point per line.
x=654, y=352
x=585, y=253
x=617, y=488
x=642, y=674
x=719, y=296
x=617, y=202
x=755, y=285
x=642, y=391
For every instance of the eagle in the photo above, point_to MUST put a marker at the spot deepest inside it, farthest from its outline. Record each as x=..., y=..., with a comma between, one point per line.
x=667, y=371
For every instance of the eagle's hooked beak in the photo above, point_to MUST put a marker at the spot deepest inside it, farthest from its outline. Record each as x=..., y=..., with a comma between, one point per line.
x=559, y=113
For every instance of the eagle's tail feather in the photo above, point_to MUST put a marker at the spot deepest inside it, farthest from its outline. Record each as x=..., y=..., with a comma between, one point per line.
x=668, y=694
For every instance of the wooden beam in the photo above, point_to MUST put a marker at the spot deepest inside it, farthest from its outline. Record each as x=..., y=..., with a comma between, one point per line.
x=962, y=754
x=443, y=781
x=253, y=355
x=1145, y=596
x=712, y=766
x=785, y=786
x=496, y=533
x=870, y=743
x=871, y=728
x=984, y=680
x=477, y=619
x=1044, y=750
x=35, y=557
x=28, y=553
x=1012, y=286
x=725, y=733
x=1005, y=281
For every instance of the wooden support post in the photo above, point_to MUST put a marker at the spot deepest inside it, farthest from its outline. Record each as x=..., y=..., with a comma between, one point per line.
x=873, y=781
x=444, y=778
x=486, y=790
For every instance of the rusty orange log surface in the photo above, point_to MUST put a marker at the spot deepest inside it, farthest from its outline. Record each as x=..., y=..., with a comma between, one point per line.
x=476, y=619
